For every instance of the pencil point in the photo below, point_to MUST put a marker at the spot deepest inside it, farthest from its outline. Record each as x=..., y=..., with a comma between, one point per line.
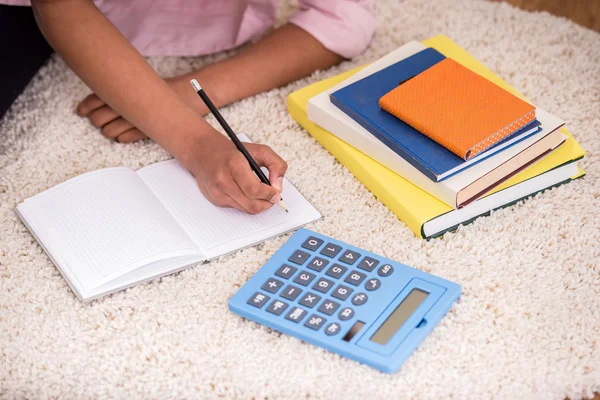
x=195, y=85
x=284, y=206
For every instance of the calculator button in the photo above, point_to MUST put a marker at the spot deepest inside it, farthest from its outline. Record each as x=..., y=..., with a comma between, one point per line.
x=372, y=284
x=349, y=257
x=258, y=300
x=291, y=292
x=317, y=264
x=315, y=322
x=277, y=307
x=304, y=278
x=310, y=300
x=346, y=314
x=329, y=307
x=342, y=292
x=299, y=257
x=312, y=243
x=368, y=264
x=331, y=250
x=332, y=329
x=355, y=278
x=359, y=299
x=286, y=271
x=385, y=270
x=272, y=285
x=323, y=285
x=296, y=314
x=336, y=271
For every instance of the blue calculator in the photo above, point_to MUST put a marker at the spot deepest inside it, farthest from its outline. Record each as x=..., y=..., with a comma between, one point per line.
x=347, y=300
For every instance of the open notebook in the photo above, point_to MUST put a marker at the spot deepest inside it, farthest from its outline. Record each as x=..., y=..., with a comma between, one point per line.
x=110, y=229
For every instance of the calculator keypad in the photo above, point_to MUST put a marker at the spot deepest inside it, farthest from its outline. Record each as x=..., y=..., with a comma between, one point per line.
x=332, y=286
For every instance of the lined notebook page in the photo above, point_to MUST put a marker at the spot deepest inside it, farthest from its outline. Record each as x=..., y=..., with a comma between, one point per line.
x=218, y=230
x=104, y=224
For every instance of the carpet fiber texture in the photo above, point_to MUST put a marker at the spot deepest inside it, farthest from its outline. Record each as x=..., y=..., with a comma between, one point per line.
x=527, y=324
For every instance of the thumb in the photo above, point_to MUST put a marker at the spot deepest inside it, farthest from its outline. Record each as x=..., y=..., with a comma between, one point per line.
x=266, y=157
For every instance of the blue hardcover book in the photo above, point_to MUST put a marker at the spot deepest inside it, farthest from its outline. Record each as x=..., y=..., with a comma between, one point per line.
x=360, y=101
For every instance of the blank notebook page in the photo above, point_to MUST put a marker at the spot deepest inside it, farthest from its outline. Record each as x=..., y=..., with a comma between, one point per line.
x=217, y=230
x=103, y=224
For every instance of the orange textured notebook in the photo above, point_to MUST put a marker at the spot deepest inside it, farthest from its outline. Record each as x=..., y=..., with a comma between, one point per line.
x=459, y=109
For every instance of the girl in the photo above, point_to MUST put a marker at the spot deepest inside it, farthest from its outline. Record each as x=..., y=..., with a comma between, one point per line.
x=103, y=43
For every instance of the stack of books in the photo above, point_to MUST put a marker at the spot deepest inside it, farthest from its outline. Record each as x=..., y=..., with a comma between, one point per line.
x=437, y=136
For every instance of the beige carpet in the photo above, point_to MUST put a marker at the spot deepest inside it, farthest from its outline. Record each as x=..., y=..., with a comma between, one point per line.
x=526, y=326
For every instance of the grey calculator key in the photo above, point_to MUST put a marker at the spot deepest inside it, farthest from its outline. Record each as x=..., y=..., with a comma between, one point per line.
x=336, y=271
x=296, y=314
x=299, y=257
x=315, y=322
x=368, y=264
x=359, y=299
x=346, y=314
x=312, y=243
x=291, y=292
x=331, y=250
x=310, y=299
x=277, y=307
x=342, y=292
x=258, y=300
x=372, y=284
x=323, y=285
x=349, y=257
x=355, y=278
x=286, y=271
x=332, y=329
x=272, y=285
x=329, y=307
x=304, y=278
x=385, y=270
x=317, y=264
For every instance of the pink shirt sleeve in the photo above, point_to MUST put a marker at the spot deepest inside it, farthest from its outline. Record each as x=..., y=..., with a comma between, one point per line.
x=343, y=26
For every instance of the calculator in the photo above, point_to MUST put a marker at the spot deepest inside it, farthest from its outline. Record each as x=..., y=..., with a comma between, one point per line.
x=346, y=300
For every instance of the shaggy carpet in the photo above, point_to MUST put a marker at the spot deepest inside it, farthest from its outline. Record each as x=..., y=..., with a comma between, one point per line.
x=527, y=324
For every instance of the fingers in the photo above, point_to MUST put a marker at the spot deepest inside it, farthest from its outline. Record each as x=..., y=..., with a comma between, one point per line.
x=89, y=104
x=224, y=189
x=102, y=116
x=115, y=128
x=265, y=156
x=249, y=183
x=130, y=136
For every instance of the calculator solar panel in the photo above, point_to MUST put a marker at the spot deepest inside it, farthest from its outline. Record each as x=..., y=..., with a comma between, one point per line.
x=347, y=300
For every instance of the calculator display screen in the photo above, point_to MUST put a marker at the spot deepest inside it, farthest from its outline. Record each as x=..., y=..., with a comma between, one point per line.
x=399, y=316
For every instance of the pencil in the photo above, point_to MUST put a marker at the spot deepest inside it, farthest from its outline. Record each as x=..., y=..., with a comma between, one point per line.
x=233, y=137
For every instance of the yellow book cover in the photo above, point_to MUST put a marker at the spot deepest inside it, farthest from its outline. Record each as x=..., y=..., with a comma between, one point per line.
x=410, y=204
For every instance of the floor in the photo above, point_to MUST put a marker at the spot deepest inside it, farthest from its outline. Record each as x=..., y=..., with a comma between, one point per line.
x=584, y=12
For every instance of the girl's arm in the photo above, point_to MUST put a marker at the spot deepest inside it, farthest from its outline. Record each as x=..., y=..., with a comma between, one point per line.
x=119, y=75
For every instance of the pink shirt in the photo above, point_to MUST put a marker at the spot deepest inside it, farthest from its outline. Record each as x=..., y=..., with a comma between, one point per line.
x=196, y=27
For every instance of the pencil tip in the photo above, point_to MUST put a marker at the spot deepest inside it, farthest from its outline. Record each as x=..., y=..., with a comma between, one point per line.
x=195, y=85
x=284, y=206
